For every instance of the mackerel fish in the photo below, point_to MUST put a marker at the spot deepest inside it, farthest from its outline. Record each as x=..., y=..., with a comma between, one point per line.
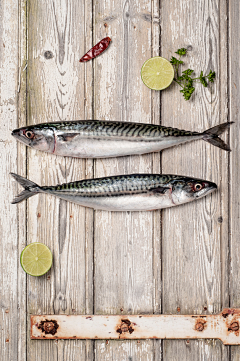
x=101, y=139
x=135, y=192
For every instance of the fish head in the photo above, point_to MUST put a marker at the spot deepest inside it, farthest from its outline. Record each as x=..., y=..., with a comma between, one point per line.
x=189, y=189
x=36, y=137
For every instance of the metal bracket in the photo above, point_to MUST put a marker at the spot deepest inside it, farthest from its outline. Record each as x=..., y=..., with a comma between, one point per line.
x=223, y=326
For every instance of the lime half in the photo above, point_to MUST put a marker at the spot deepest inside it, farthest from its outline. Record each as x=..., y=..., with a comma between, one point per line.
x=157, y=73
x=36, y=259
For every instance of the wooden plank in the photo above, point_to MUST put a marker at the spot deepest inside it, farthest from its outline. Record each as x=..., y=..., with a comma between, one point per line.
x=69, y=290
x=21, y=169
x=59, y=88
x=126, y=245
x=12, y=294
x=156, y=168
x=223, y=220
x=192, y=234
x=234, y=172
x=224, y=326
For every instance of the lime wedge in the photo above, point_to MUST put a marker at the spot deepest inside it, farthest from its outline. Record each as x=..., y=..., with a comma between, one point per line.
x=36, y=259
x=157, y=73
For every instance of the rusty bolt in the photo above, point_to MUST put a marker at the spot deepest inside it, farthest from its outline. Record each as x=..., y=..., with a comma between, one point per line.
x=178, y=309
x=7, y=311
x=105, y=25
x=124, y=327
x=234, y=326
x=199, y=326
x=7, y=340
x=48, y=326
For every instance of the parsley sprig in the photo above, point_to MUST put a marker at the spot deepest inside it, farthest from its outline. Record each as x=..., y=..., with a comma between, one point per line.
x=186, y=80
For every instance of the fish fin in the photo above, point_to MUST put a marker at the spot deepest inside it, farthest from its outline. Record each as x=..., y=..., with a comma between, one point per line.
x=31, y=188
x=211, y=136
x=67, y=137
x=23, y=195
x=161, y=190
x=218, y=143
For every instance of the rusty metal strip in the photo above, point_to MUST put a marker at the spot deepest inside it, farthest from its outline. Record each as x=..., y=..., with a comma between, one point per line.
x=223, y=326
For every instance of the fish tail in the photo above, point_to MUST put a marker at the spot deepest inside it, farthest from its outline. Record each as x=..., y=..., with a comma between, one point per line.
x=211, y=136
x=30, y=188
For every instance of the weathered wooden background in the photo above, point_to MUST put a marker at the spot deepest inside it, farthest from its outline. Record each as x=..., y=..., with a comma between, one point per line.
x=181, y=261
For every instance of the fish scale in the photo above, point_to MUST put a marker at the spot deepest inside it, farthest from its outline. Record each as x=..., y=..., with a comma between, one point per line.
x=101, y=139
x=114, y=128
x=115, y=185
x=135, y=192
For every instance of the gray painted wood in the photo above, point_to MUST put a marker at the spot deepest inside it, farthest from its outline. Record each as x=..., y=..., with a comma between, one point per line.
x=104, y=262
x=21, y=169
x=12, y=228
x=59, y=88
x=234, y=172
x=192, y=235
x=125, y=244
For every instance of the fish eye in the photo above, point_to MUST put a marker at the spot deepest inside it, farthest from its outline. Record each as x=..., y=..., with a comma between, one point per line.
x=197, y=187
x=29, y=134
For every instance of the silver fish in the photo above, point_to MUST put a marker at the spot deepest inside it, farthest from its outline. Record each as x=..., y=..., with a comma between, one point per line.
x=135, y=192
x=101, y=139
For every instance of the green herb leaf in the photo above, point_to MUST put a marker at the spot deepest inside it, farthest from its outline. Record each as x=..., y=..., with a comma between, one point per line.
x=175, y=61
x=187, y=92
x=181, y=51
x=188, y=71
x=186, y=80
x=181, y=78
x=211, y=76
x=203, y=80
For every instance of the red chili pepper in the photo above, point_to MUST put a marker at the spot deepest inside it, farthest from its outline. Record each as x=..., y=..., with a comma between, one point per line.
x=96, y=50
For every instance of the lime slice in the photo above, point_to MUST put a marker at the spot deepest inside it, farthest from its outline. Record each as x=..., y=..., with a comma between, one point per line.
x=36, y=259
x=157, y=73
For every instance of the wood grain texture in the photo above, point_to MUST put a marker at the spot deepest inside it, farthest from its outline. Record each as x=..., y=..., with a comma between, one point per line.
x=60, y=88
x=21, y=167
x=192, y=235
x=105, y=262
x=12, y=290
x=126, y=248
x=234, y=171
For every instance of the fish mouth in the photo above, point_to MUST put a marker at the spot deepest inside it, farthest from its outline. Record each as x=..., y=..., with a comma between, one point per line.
x=211, y=188
x=16, y=134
